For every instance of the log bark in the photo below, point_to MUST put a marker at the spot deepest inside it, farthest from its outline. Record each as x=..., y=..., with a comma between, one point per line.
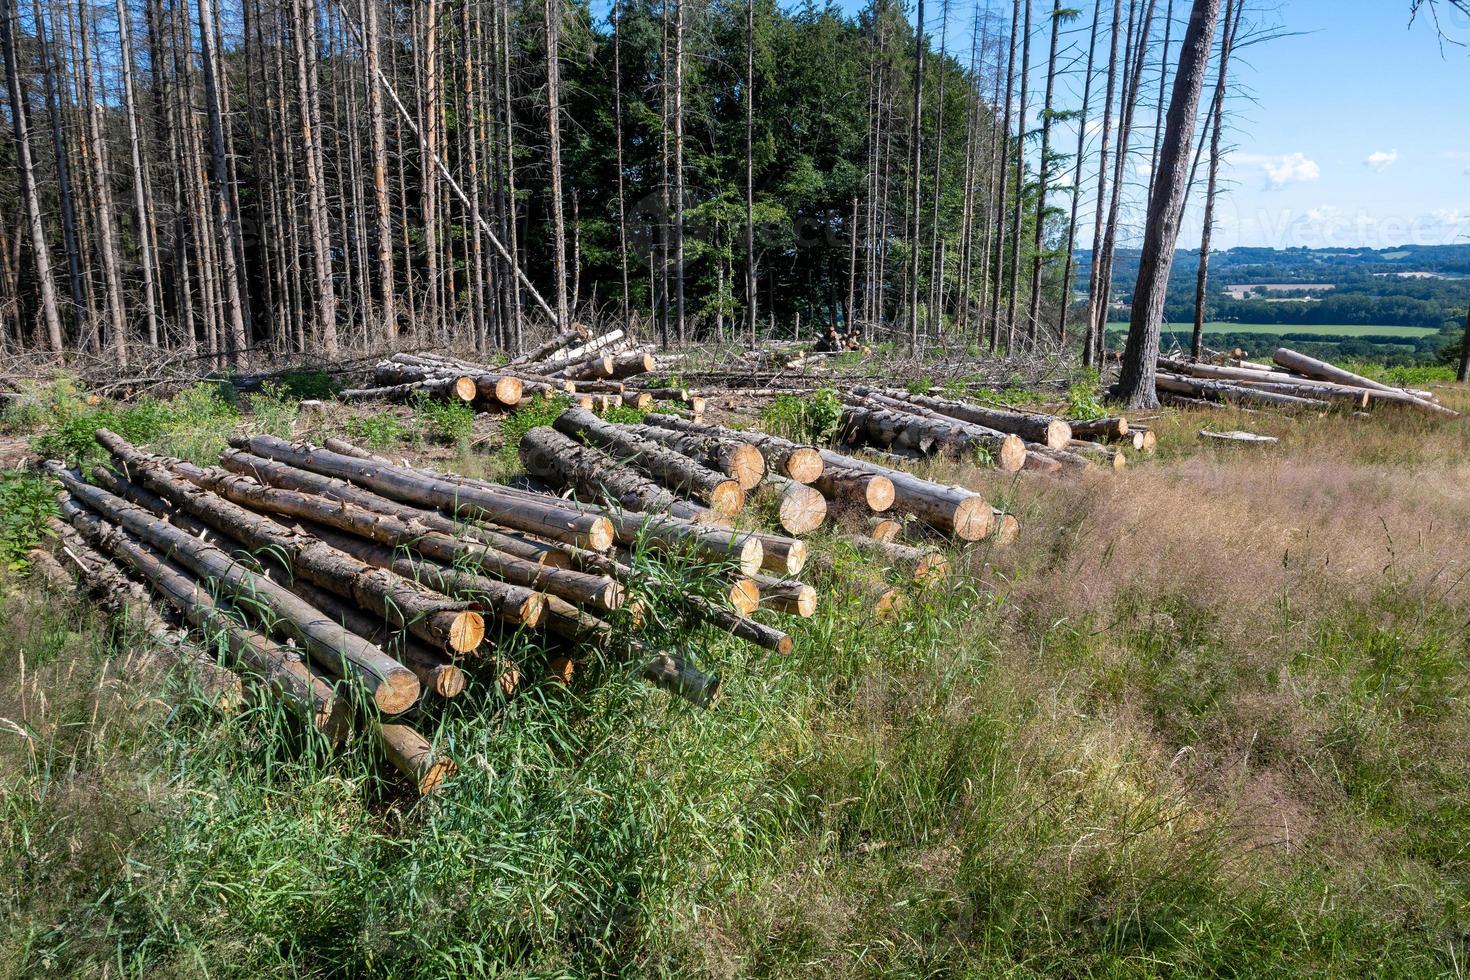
x=290, y=478
x=669, y=467
x=392, y=686
x=632, y=364
x=738, y=460
x=415, y=757
x=1313, y=368
x=1114, y=428
x=1045, y=429
x=592, y=474
x=436, y=620
x=515, y=603
x=884, y=529
x=575, y=334
x=1197, y=388
x=924, y=565
x=487, y=502
x=570, y=355
x=791, y=460
x=1105, y=456
x=919, y=431
x=678, y=677
x=784, y=556
x=742, y=627
x=434, y=670
x=951, y=510
x=593, y=368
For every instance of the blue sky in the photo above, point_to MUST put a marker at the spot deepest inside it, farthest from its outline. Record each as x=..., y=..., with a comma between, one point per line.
x=1351, y=129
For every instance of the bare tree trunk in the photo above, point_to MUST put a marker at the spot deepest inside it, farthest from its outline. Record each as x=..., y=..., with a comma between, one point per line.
x=1463, y=374
x=752, y=314
x=915, y=163
x=303, y=33
x=387, y=291
x=1077, y=183
x=679, y=168
x=1163, y=91
x=553, y=130
x=1034, y=310
x=1140, y=359
x=140, y=175
x=1002, y=178
x=1018, y=214
x=224, y=203
x=1233, y=13
x=102, y=189
x=935, y=318
x=28, y=192
x=81, y=321
x=617, y=25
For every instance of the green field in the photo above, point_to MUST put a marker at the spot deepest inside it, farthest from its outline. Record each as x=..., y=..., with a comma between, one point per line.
x=1321, y=330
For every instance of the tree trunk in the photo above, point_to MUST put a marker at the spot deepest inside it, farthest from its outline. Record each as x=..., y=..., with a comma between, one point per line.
x=1043, y=172
x=1202, y=282
x=1097, y=290
x=751, y=313
x=102, y=204
x=915, y=164
x=29, y=193
x=1018, y=214
x=81, y=321
x=553, y=131
x=1136, y=383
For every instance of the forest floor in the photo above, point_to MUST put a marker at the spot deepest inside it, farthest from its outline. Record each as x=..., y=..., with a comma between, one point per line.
x=1205, y=716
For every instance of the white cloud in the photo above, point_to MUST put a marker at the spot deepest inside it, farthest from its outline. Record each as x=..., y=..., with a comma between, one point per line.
x=1281, y=169
x=1451, y=216
x=1380, y=161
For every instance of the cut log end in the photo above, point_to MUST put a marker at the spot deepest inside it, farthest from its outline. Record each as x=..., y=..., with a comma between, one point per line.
x=1058, y=434
x=973, y=519
x=398, y=691
x=414, y=756
x=727, y=498
x=561, y=670
x=449, y=681
x=467, y=631
x=890, y=605
x=465, y=389
x=599, y=535
x=751, y=556
x=747, y=466
x=1007, y=528
x=931, y=569
x=878, y=494
x=804, y=465
x=803, y=509
x=884, y=529
x=509, y=391
x=1011, y=456
x=745, y=596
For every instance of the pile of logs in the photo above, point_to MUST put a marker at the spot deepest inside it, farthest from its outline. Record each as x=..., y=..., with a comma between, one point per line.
x=916, y=426
x=595, y=372
x=1293, y=382
x=345, y=587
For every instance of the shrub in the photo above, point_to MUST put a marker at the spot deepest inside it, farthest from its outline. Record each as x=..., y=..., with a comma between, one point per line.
x=26, y=500
x=448, y=421
x=812, y=418
x=530, y=414
x=377, y=431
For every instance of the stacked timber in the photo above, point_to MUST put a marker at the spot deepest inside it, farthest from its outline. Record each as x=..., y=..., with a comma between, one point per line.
x=406, y=376
x=384, y=587
x=1293, y=381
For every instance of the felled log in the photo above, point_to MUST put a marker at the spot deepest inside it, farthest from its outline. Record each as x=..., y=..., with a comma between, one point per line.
x=539, y=516
x=1239, y=438
x=521, y=578
x=791, y=460
x=669, y=467
x=675, y=675
x=800, y=509
x=435, y=619
x=787, y=596
x=1358, y=398
x=892, y=423
x=440, y=385
x=592, y=474
x=884, y=528
x=512, y=605
x=952, y=510
x=746, y=629
x=434, y=670
x=784, y=556
x=1007, y=529
x=872, y=491
x=414, y=756
x=288, y=477
x=924, y=565
x=738, y=460
x=1198, y=388
x=632, y=364
x=591, y=369
x=744, y=596
x=576, y=334
x=1037, y=462
x=695, y=402
x=393, y=687
x=1377, y=390
x=218, y=685
x=919, y=433
x=446, y=389
x=572, y=354
x=1111, y=428
x=1045, y=429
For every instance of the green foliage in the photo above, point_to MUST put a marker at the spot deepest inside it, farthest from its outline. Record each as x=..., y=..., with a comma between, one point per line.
x=26, y=501
x=303, y=385
x=530, y=415
x=1084, y=396
x=273, y=410
x=71, y=422
x=625, y=415
x=379, y=431
x=810, y=418
x=447, y=421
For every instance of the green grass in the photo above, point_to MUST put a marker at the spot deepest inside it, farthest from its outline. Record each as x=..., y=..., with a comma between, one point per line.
x=1320, y=330
x=1139, y=743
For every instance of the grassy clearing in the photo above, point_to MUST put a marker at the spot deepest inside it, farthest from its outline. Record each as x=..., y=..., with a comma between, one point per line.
x=1206, y=717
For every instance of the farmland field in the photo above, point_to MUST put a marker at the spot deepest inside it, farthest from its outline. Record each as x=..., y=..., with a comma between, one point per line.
x=1321, y=330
